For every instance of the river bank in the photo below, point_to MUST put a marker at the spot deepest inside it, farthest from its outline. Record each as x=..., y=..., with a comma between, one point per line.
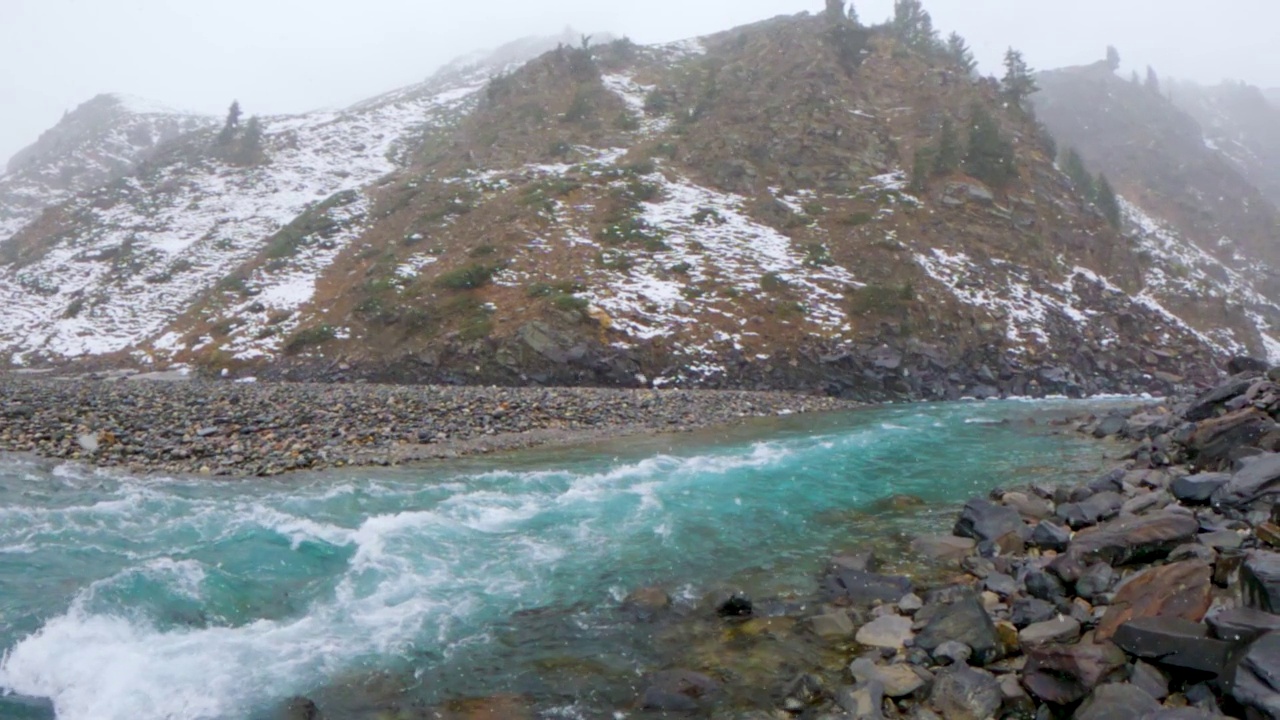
x=265, y=429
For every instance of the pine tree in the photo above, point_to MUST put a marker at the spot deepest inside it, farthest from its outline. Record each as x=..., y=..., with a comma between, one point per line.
x=1073, y=166
x=990, y=156
x=920, y=170
x=913, y=25
x=251, y=151
x=1153, y=80
x=847, y=36
x=1107, y=201
x=233, y=123
x=835, y=9
x=853, y=15
x=1113, y=58
x=950, y=153
x=959, y=52
x=1019, y=83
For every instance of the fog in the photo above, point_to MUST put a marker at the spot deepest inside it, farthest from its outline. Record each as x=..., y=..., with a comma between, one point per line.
x=283, y=56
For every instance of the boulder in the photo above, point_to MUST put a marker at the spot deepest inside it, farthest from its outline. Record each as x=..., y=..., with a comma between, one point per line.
x=864, y=588
x=1215, y=441
x=830, y=625
x=965, y=693
x=1179, y=590
x=1258, y=477
x=1116, y=701
x=1198, y=489
x=1063, y=674
x=1050, y=536
x=983, y=520
x=1242, y=625
x=897, y=680
x=1205, y=406
x=953, y=653
x=1045, y=586
x=891, y=631
x=1092, y=510
x=1260, y=581
x=1058, y=630
x=1256, y=684
x=1243, y=364
x=1096, y=581
x=944, y=549
x=963, y=620
x=679, y=691
x=1113, y=424
x=864, y=701
x=1029, y=611
x=1126, y=540
x=1172, y=642
x=1028, y=506
x=1150, y=679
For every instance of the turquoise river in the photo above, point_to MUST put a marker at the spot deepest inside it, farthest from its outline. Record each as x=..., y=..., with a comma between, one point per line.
x=128, y=598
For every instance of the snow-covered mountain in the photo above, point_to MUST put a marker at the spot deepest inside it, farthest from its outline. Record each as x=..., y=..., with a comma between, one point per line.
x=737, y=210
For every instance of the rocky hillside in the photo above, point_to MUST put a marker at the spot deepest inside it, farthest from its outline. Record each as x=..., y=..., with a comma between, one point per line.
x=732, y=211
x=1240, y=123
x=1209, y=236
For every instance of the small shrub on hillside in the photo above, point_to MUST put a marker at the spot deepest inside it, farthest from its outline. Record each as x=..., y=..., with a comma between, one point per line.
x=817, y=255
x=773, y=282
x=310, y=337
x=881, y=299
x=582, y=107
x=470, y=277
x=627, y=122
x=657, y=102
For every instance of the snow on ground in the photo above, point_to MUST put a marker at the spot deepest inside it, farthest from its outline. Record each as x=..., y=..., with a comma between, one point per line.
x=634, y=95
x=152, y=250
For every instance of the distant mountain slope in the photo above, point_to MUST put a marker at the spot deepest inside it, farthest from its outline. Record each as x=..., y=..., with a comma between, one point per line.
x=733, y=211
x=1240, y=123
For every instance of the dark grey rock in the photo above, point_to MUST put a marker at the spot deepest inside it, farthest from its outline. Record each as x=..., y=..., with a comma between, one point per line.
x=1092, y=510
x=1116, y=701
x=1045, y=586
x=679, y=691
x=1242, y=625
x=1064, y=674
x=1244, y=364
x=1260, y=581
x=1051, y=536
x=1028, y=611
x=963, y=620
x=1173, y=642
x=1205, y=406
x=1150, y=679
x=952, y=652
x=738, y=606
x=965, y=693
x=1003, y=585
x=864, y=588
x=1257, y=680
x=1258, y=477
x=1197, y=489
x=1110, y=425
x=1096, y=581
x=1126, y=540
x=984, y=520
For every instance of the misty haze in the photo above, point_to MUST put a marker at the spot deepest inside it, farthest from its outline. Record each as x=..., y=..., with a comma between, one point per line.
x=570, y=360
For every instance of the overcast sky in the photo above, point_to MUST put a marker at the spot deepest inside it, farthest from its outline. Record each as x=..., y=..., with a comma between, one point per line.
x=283, y=56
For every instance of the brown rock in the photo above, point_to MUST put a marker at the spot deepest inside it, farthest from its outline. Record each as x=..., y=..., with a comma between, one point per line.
x=1181, y=590
x=1065, y=674
x=1126, y=540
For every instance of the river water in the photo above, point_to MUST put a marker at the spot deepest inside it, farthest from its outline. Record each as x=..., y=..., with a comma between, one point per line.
x=131, y=599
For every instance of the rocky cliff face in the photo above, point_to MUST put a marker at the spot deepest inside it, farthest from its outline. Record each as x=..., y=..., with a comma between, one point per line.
x=733, y=211
x=1241, y=124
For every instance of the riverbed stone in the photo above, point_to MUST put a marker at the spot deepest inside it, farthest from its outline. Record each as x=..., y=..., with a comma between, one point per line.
x=1204, y=407
x=897, y=680
x=864, y=588
x=1256, y=684
x=1096, y=581
x=1030, y=507
x=1179, y=590
x=1126, y=540
x=983, y=520
x=1177, y=643
x=679, y=691
x=1242, y=624
x=945, y=549
x=1049, y=535
x=965, y=693
x=1092, y=510
x=864, y=701
x=1059, y=630
x=953, y=652
x=1198, y=489
x=1116, y=701
x=890, y=631
x=1028, y=611
x=1150, y=679
x=831, y=625
x=1260, y=581
x=963, y=620
x=1064, y=674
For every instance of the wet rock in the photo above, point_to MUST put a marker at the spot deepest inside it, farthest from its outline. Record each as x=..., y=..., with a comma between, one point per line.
x=897, y=680
x=1260, y=581
x=963, y=620
x=1110, y=425
x=1198, y=489
x=953, y=653
x=1060, y=630
x=945, y=549
x=1173, y=642
x=1180, y=590
x=1029, y=507
x=864, y=701
x=862, y=561
x=738, y=606
x=1002, y=585
x=301, y=708
x=1064, y=674
x=965, y=693
x=1258, y=477
x=1150, y=679
x=890, y=631
x=983, y=520
x=1092, y=510
x=832, y=625
x=1051, y=536
x=679, y=691
x=864, y=588
x=910, y=603
x=1028, y=611
x=1126, y=540
x=1115, y=701
x=647, y=601
x=1242, y=625
x=1256, y=684
x=1043, y=585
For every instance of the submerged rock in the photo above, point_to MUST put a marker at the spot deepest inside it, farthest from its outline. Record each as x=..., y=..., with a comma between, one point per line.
x=945, y=549
x=897, y=680
x=864, y=588
x=679, y=691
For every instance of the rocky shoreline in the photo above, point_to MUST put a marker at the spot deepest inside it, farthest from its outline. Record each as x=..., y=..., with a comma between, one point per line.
x=265, y=429
x=1152, y=592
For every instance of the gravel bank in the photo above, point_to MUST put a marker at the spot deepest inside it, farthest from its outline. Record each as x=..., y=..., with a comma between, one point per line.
x=229, y=429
